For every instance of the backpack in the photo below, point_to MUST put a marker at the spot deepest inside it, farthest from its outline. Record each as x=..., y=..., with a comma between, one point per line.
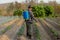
x=26, y=15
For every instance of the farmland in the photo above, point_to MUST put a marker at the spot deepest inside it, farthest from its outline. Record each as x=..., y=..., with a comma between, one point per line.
x=14, y=28
x=13, y=25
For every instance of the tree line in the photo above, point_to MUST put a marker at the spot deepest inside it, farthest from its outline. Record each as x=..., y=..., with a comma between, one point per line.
x=12, y=7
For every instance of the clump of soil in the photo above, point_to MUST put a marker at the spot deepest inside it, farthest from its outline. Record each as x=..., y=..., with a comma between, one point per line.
x=4, y=37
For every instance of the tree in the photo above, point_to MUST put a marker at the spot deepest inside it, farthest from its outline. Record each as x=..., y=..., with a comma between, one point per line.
x=0, y=12
x=42, y=11
x=42, y=2
x=38, y=11
x=10, y=8
x=17, y=5
x=32, y=3
x=49, y=10
x=18, y=12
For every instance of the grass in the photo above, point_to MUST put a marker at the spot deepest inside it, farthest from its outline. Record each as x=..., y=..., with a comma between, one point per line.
x=8, y=28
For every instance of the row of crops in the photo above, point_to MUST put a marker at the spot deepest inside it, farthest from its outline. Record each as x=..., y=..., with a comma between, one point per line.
x=53, y=33
x=4, y=19
x=56, y=20
x=37, y=35
x=38, y=11
x=35, y=30
x=6, y=29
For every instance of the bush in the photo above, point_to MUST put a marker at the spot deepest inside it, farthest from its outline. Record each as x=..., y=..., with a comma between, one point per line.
x=42, y=11
x=38, y=11
x=49, y=10
x=18, y=12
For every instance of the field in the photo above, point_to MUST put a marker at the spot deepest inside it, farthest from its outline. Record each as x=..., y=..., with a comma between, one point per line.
x=14, y=28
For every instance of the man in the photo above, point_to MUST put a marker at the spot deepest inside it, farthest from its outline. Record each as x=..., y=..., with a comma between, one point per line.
x=29, y=22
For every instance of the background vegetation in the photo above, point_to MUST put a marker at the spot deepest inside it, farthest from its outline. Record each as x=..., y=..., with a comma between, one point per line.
x=42, y=9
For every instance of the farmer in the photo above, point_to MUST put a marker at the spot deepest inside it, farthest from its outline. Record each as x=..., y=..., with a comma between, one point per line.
x=29, y=21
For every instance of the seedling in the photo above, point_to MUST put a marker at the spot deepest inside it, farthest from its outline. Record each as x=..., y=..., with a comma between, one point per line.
x=37, y=34
x=55, y=33
x=8, y=28
x=21, y=30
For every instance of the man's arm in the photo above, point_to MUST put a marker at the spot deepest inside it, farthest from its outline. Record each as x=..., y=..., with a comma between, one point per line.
x=32, y=16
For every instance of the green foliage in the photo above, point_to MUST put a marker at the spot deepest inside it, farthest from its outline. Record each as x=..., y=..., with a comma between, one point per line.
x=49, y=10
x=37, y=33
x=55, y=33
x=18, y=12
x=8, y=28
x=21, y=30
x=38, y=11
x=3, y=31
x=42, y=11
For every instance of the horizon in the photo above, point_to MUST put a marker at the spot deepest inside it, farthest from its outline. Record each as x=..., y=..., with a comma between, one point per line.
x=20, y=1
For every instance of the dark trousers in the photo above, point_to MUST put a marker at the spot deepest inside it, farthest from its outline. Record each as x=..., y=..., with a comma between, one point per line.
x=29, y=28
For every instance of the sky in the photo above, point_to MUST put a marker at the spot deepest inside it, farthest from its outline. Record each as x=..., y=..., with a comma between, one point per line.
x=8, y=1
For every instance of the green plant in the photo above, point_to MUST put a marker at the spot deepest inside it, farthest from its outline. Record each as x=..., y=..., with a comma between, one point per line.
x=18, y=12
x=38, y=11
x=8, y=28
x=43, y=11
x=49, y=10
x=55, y=33
x=3, y=31
x=37, y=34
x=21, y=30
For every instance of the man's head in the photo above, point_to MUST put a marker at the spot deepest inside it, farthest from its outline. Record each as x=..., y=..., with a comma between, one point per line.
x=30, y=8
